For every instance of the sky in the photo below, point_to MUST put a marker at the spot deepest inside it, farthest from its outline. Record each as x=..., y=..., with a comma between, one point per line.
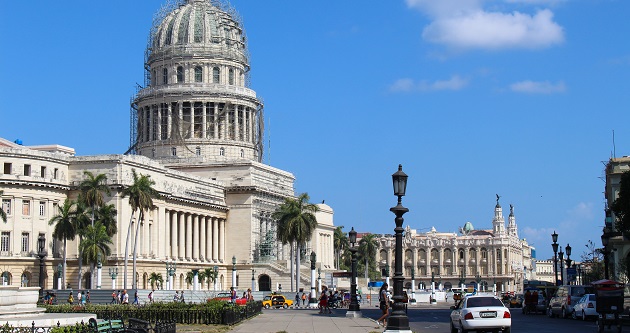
x=473, y=97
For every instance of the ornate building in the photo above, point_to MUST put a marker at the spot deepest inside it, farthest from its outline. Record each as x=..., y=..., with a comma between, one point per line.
x=197, y=132
x=495, y=257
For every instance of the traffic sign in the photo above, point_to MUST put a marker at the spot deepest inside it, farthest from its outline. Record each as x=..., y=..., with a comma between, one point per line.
x=342, y=274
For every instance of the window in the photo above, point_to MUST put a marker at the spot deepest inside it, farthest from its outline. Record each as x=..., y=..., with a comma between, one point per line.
x=7, y=168
x=164, y=76
x=242, y=153
x=198, y=151
x=174, y=151
x=180, y=74
x=42, y=208
x=26, y=207
x=231, y=75
x=5, y=241
x=198, y=74
x=6, y=206
x=216, y=74
x=27, y=169
x=42, y=172
x=55, y=173
x=222, y=151
x=25, y=238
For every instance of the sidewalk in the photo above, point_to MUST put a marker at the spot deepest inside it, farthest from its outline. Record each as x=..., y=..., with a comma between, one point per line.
x=306, y=321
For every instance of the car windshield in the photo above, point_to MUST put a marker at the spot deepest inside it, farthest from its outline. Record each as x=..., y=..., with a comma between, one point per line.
x=482, y=302
x=581, y=291
x=591, y=297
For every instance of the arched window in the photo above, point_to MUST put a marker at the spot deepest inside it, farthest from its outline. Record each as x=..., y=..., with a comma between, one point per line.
x=174, y=151
x=242, y=153
x=198, y=151
x=164, y=76
x=198, y=74
x=153, y=78
x=231, y=76
x=221, y=151
x=180, y=74
x=216, y=74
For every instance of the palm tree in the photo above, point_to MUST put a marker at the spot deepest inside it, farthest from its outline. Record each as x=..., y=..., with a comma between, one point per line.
x=92, y=189
x=81, y=221
x=340, y=243
x=141, y=194
x=368, y=246
x=65, y=229
x=189, y=278
x=209, y=274
x=3, y=214
x=156, y=280
x=296, y=222
x=95, y=244
x=107, y=216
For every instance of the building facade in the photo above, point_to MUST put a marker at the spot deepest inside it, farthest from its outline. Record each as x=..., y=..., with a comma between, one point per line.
x=197, y=131
x=495, y=259
x=618, y=248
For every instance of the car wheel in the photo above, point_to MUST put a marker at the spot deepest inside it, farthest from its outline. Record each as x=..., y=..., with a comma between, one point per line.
x=549, y=313
x=453, y=329
x=507, y=330
x=285, y=306
x=461, y=328
x=564, y=313
x=573, y=315
x=266, y=306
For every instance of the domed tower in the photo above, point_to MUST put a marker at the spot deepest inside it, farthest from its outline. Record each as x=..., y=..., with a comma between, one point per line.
x=196, y=104
x=512, y=227
x=498, y=222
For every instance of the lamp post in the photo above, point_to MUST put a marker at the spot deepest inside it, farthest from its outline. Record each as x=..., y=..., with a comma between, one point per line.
x=234, y=272
x=413, y=283
x=215, y=269
x=387, y=274
x=59, y=272
x=353, y=308
x=554, y=245
x=253, y=280
x=319, y=280
x=462, y=278
x=113, y=273
x=605, y=252
x=561, y=259
x=41, y=253
x=568, y=261
x=171, y=267
x=99, y=267
x=312, y=300
x=398, y=321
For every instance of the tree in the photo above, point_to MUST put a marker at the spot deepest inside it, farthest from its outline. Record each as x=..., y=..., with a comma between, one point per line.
x=156, y=280
x=95, y=244
x=189, y=278
x=593, y=266
x=106, y=214
x=81, y=221
x=92, y=189
x=368, y=247
x=210, y=275
x=65, y=229
x=3, y=214
x=141, y=194
x=621, y=205
x=296, y=222
x=340, y=243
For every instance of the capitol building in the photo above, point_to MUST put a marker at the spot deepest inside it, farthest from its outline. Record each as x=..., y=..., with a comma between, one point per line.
x=197, y=130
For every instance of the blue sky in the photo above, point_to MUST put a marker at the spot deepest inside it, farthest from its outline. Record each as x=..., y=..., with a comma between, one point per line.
x=473, y=97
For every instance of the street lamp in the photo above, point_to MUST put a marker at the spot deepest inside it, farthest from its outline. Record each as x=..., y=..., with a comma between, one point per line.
x=171, y=267
x=554, y=245
x=319, y=280
x=312, y=301
x=568, y=261
x=41, y=253
x=215, y=274
x=605, y=252
x=561, y=255
x=59, y=272
x=234, y=272
x=398, y=321
x=413, y=282
x=353, y=308
x=99, y=267
x=113, y=273
x=478, y=280
x=253, y=280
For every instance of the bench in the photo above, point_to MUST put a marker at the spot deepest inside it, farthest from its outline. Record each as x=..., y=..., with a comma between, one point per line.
x=106, y=326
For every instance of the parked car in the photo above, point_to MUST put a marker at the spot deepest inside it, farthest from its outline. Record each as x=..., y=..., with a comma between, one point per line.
x=585, y=307
x=480, y=313
x=562, y=302
x=540, y=307
x=276, y=301
x=226, y=297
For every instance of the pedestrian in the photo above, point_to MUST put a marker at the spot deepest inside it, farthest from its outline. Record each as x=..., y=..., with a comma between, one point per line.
x=232, y=295
x=297, y=299
x=119, y=297
x=136, y=301
x=125, y=297
x=114, y=297
x=176, y=296
x=151, y=296
x=87, y=297
x=181, y=297
x=79, y=297
x=83, y=298
x=70, y=298
x=250, y=296
x=323, y=301
x=383, y=301
x=303, y=299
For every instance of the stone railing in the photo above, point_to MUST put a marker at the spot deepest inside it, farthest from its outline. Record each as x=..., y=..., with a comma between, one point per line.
x=19, y=300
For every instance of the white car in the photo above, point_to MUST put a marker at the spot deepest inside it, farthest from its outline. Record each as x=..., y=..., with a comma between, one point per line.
x=585, y=307
x=480, y=313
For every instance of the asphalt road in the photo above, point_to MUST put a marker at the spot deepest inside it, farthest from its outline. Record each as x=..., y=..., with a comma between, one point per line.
x=425, y=320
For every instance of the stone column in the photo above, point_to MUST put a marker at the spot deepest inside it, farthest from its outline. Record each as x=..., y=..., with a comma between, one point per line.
x=215, y=124
x=195, y=237
x=173, y=227
x=237, y=128
x=204, y=120
x=159, y=122
x=169, y=123
x=181, y=232
x=166, y=250
x=202, y=239
x=222, y=240
x=151, y=122
x=188, y=240
x=180, y=115
x=192, y=119
x=215, y=239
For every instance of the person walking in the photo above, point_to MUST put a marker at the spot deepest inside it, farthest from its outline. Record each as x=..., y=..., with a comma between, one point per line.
x=232, y=295
x=125, y=297
x=383, y=301
x=114, y=297
x=70, y=298
x=79, y=298
x=119, y=297
x=181, y=297
x=297, y=299
x=136, y=301
x=176, y=296
x=87, y=297
x=303, y=299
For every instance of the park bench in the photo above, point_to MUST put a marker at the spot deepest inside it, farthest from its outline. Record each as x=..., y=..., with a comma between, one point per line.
x=107, y=326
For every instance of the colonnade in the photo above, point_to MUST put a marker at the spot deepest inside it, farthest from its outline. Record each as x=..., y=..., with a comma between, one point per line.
x=194, y=237
x=197, y=120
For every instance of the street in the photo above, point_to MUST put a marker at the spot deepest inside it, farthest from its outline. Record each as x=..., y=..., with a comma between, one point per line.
x=437, y=320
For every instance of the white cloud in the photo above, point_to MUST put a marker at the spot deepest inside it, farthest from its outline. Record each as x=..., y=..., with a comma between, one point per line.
x=540, y=87
x=409, y=85
x=465, y=24
x=536, y=2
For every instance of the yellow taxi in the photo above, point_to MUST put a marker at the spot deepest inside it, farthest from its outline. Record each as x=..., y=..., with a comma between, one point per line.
x=276, y=301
